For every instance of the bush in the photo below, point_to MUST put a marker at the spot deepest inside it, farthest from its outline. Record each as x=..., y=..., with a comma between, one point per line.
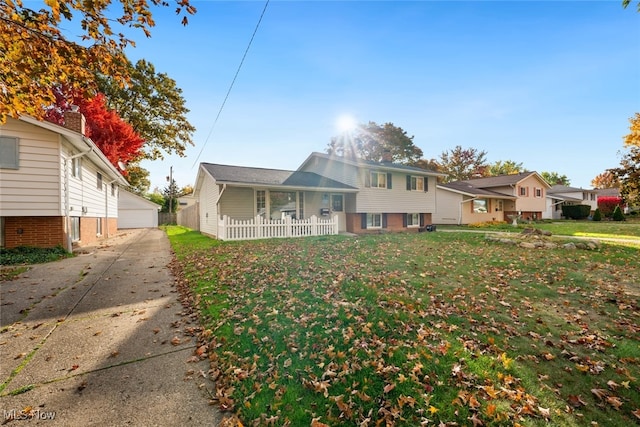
x=597, y=216
x=617, y=214
x=576, y=211
x=32, y=255
x=607, y=204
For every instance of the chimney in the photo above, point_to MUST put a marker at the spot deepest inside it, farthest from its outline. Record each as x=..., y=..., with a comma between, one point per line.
x=74, y=120
x=386, y=156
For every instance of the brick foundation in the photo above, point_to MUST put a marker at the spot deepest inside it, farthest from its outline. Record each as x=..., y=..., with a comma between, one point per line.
x=38, y=231
x=49, y=231
x=395, y=223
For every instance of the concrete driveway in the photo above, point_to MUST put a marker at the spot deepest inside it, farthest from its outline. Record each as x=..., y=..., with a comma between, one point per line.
x=103, y=339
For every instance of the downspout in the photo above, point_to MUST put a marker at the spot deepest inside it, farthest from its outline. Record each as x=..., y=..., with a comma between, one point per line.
x=66, y=195
x=106, y=205
x=460, y=209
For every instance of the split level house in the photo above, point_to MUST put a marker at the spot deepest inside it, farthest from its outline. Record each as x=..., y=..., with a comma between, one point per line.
x=56, y=187
x=562, y=195
x=495, y=198
x=359, y=196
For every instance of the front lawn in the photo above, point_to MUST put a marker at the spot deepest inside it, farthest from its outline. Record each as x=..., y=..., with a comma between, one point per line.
x=408, y=329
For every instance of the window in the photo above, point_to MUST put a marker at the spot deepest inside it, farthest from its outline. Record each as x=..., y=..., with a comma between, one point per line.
x=499, y=206
x=76, y=168
x=523, y=191
x=378, y=180
x=337, y=202
x=282, y=203
x=374, y=220
x=261, y=203
x=99, y=181
x=538, y=192
x=98, y=226
x=113, y=190
x=413, y=220
x=416, y=183
x=75, y=228
x=480, y=206
x=9, y=153
x=301, y=204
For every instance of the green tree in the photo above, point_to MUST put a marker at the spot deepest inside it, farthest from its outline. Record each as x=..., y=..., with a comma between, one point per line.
x=35, y=55
x=597, y=215
x=626, y=3
x=507, y=167
x=138, y=179
x=554, y=178
x=462, y=163
x=153, y=105
x=374, y=142
x=617, y=214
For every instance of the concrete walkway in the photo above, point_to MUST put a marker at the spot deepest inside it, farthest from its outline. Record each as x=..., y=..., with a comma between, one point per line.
x=103, y=339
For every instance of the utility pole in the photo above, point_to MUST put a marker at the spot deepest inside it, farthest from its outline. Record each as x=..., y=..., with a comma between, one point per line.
x=170, y=179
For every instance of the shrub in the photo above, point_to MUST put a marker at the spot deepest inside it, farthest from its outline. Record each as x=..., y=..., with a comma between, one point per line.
x=597, y=216
x=607, y=204
x=32, y=255
x=576, y=211
x=617, y=214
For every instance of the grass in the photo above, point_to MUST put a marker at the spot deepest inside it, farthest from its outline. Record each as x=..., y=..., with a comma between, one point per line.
x=410, y=329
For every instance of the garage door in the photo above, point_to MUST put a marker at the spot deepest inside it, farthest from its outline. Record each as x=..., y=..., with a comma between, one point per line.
x=137, y=218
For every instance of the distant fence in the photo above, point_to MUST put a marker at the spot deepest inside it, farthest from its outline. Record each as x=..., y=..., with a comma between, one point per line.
x=189, y=217
x=260, y=228
x=166, y=218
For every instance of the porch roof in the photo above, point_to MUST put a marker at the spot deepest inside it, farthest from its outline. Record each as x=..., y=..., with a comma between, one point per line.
x=274, y=178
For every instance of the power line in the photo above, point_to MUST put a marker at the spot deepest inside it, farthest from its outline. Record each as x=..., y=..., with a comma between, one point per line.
x=232, y=83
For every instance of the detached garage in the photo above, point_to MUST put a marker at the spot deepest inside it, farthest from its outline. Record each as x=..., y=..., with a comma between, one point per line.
x=136, y=212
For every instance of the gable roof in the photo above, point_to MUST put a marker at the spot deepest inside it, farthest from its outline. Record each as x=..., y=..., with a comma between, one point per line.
x=369, y=163
x=83, y=144
x=566, y=189
x=249, y=176
x=504, y=180
x=467, y=189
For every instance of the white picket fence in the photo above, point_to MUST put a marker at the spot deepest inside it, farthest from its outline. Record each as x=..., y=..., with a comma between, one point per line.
x=261, y=228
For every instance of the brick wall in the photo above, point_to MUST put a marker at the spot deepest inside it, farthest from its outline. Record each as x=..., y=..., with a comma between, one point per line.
x=395, y=223
x=38, y=231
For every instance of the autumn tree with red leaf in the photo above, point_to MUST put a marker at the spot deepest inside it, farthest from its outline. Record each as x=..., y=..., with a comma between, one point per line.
x=608, y=204
x=112, y=135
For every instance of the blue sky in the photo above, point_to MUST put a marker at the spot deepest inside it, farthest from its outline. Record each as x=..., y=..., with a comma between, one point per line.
x=549, y=84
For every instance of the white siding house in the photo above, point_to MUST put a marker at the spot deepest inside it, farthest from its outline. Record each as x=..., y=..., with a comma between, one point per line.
x=56, y=187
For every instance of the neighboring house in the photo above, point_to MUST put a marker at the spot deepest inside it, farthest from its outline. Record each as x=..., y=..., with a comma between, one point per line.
x=136, y=212
x=495, y=198
x=364, y=196
x=56, y=186
x=562, y=195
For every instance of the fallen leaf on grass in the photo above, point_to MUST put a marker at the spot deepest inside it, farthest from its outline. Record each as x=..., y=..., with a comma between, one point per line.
x=175, y=341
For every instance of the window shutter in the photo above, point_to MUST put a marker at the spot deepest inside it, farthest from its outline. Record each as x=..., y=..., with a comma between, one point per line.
x=426, y=184
x=363, y=221
x=389, y=181
x=384, y=220
x=405, y=220
x=367, y=179
x=408, y=182
x=422, y=219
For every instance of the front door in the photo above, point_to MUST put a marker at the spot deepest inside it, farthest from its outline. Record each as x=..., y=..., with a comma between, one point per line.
x=337, y=208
